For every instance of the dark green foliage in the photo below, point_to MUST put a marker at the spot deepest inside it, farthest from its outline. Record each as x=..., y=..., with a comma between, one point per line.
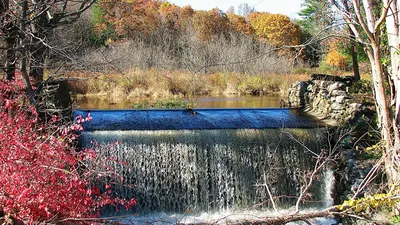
x=313, y=51
x=99, y=35
x=164, y=104
x=315, y=16
x=361, y=87
x=345, y=49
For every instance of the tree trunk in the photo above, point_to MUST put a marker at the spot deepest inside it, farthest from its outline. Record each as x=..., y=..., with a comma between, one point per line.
x=382, y=107
x=23, y=66
x=36, y=66
x=9, y=31
x=392, y=26
x=9, y=65
x=38, y=49
x=354, y=58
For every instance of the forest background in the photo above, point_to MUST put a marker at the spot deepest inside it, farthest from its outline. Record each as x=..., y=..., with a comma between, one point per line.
x=158, y=50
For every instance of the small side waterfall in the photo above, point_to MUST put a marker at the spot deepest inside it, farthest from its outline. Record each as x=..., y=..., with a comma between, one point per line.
x=178, y=171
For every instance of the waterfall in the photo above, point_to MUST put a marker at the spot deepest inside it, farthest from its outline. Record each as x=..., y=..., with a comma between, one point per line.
x=207, y=171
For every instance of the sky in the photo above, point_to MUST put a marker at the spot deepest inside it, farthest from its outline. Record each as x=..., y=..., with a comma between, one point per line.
x=287, y=7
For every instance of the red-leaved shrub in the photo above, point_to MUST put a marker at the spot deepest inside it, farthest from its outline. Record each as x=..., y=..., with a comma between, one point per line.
x=41, y=174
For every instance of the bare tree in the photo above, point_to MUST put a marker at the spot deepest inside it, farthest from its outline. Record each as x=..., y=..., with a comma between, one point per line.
x=25, y=26
x=9, y=32
x=364, y=18
x=245, y=9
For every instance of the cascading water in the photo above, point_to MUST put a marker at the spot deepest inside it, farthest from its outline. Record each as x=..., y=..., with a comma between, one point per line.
x=213, y=170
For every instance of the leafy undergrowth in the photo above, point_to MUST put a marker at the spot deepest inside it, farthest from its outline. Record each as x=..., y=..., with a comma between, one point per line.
x=43, y=178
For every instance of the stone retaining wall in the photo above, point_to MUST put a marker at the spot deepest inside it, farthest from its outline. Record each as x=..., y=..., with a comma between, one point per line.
x=326, y=96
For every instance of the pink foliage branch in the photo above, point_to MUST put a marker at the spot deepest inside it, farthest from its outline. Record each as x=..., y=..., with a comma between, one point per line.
x=42, y=178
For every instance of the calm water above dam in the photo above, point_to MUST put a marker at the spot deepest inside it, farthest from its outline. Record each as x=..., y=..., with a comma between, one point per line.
x=266, y=101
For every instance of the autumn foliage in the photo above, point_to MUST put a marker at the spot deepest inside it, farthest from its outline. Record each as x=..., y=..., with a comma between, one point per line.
x=208, y=24
x=129, y=17
x=334, y=57
x=141, y=18
x=42, y=175
x=276, y=29
x=239, y=24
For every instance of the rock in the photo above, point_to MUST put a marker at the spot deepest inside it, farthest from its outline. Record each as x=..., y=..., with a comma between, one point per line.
x=327, y=95
x=337, y=93
x=341, y=98
x=336, y=86
x=310, y=87
x=337, y=106
x=323, y=84
x=355, y=107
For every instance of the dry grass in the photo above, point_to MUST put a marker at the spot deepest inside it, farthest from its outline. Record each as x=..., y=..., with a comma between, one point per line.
x=156, y=84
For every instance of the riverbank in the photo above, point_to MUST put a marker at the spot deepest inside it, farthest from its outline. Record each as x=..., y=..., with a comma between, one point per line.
x=160, y=84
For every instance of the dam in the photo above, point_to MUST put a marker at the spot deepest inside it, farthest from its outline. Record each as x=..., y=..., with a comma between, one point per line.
x=194, y=161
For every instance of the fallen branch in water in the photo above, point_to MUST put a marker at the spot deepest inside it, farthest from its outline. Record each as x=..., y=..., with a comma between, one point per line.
x=280, y=219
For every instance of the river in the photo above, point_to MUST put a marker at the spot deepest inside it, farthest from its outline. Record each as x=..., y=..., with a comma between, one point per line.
x=265, y=101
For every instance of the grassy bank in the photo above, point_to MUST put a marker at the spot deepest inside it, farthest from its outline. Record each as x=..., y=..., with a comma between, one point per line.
x=159, y=84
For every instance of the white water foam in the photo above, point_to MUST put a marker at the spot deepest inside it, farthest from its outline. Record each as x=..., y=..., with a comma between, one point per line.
x=212, y=170
x=220, y=218
x=329, y=181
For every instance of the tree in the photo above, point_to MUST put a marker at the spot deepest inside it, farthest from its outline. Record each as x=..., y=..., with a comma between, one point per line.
x=131, y=18
x=9, y=33
x=392, y=27
x=231, y=10
x=316, y=16
x=239, y=24
x=334, y=57
x=353, y=49
x=245, y=9
x=276, y=29
x=169, y=15
x=208, y=24
x=362, y=17
x=25, y=26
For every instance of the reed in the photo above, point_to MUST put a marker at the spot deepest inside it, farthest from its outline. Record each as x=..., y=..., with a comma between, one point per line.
x=162, y=84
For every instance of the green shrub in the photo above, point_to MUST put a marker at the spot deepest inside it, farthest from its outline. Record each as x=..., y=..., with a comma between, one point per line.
x=396, y=219
x=164, y=104
x=361, y=86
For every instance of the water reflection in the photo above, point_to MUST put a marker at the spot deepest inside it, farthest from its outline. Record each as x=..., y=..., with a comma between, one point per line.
x=267, y=101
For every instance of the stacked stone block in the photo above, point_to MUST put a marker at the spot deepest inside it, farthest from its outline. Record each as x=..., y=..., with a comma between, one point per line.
x=326, y=97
